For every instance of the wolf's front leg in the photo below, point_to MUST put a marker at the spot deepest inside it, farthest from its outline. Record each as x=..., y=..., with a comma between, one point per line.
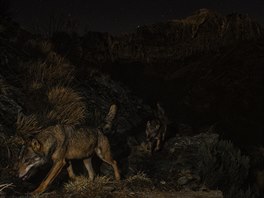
x=157, y=148
x=89, y=167
x=54, y=171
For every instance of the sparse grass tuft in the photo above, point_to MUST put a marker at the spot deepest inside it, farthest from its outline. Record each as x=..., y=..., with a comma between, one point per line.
x=68, y=106
x=139, y=180
x=83, y=186
x=49, y=74
x=27, y=124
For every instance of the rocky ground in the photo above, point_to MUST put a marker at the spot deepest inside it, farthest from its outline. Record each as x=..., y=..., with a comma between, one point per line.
x=148, y=176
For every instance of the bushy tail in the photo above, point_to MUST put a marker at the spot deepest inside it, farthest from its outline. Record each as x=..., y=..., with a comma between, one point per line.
x=108, y=122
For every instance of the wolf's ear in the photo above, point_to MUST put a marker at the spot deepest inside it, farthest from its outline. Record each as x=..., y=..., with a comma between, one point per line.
x=148, y=124
x=147, y=128
x=35, y=144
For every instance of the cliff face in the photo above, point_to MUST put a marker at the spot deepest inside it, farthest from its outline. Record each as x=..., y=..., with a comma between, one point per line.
x=206, y=68
x=204, y=31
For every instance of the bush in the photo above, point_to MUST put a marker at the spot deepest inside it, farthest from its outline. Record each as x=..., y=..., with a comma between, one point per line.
x=222, y=166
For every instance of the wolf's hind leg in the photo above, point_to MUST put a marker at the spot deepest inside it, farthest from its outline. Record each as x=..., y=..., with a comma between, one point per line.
x=88, y=165
x=70, y=171
x=104, y=153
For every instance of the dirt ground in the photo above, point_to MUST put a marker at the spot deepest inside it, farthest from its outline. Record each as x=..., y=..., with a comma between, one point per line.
x=190, y=194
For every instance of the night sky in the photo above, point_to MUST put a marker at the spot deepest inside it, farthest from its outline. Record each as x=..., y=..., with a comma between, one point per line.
x=117, y=16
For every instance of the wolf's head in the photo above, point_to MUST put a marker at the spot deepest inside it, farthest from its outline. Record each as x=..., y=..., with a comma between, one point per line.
x=30, y=158
x=152, y=134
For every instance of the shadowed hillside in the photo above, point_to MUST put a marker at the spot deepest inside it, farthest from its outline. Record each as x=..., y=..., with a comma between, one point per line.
x=206, y=69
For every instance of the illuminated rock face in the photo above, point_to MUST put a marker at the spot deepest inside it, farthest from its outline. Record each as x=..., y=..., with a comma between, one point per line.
x=204, y=31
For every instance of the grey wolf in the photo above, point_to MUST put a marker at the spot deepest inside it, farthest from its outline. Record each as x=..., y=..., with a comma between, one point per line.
x=61, y=144
x=156, y=130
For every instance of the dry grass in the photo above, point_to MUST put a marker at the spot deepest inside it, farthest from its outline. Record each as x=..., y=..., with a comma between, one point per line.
x=139, y=180
x=52, y=78
x=41, y=47
x=83, y=186
x=49, y=74
x=4, y=186
x=4, y=87
x=55, y=58
x=68, y=106
x=27, y=125
x=49, y=77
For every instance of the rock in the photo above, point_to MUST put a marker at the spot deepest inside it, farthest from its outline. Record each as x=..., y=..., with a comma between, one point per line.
x=183, y=180
x=207, y=31
x=163, y=182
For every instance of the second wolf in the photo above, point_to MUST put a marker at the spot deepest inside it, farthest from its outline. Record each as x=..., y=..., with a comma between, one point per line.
x=64, y=143
x=156, y=130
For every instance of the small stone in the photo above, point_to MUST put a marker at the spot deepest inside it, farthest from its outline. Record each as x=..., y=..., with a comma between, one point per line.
x=182, y=180
x=163, y=182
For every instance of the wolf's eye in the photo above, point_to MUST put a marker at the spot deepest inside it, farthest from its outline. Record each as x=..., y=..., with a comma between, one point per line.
x=27, y=160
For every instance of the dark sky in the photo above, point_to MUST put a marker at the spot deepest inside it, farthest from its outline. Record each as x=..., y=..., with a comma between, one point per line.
x=122, y=15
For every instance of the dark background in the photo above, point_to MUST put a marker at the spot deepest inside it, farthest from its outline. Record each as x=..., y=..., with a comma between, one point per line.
x=117, y=16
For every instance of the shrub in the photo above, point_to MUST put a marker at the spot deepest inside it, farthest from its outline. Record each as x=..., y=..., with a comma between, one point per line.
x=222, y=166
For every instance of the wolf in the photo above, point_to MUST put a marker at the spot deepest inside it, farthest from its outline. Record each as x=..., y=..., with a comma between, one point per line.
x=156, y=130
x=61, y=144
